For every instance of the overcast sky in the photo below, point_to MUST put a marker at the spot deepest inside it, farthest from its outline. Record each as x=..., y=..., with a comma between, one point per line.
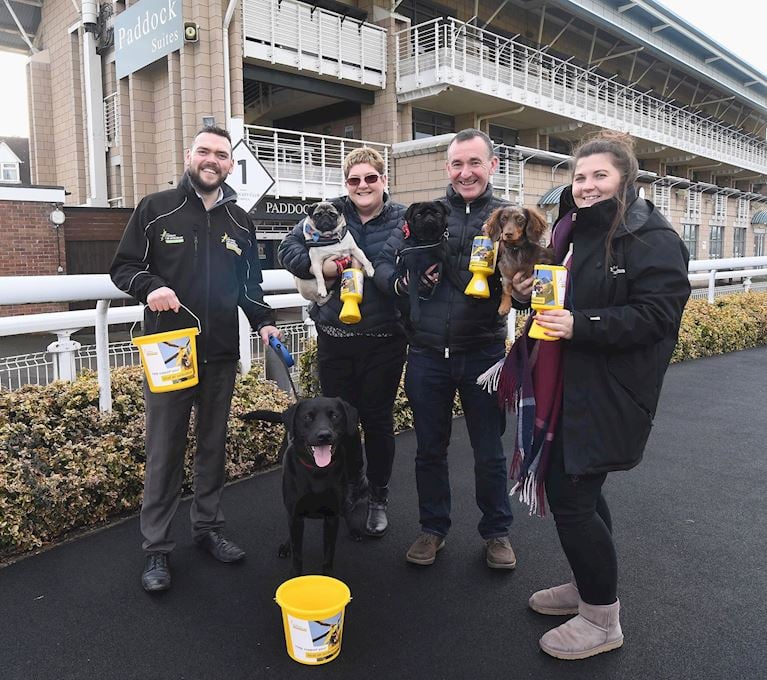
x=738, y=25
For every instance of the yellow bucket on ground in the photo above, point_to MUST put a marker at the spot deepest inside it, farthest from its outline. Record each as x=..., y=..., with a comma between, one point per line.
x=313, y=617
x=170, y=358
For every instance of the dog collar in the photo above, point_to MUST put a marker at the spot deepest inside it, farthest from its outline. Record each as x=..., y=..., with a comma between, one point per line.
x=315, y=237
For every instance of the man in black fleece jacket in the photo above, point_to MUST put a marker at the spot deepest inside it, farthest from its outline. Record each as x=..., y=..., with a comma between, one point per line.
x=192, y=245
x=456, y=339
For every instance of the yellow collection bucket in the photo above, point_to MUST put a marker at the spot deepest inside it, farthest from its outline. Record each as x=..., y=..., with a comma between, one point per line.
x=313, y=617
x=170, y=358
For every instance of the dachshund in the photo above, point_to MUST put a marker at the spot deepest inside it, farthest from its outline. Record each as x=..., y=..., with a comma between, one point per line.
x=519, y=232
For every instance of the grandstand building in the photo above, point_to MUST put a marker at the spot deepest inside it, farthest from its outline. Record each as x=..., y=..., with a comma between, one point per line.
x=116, y=99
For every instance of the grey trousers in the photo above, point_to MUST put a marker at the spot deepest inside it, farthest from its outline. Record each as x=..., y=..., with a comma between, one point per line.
x=167, y=425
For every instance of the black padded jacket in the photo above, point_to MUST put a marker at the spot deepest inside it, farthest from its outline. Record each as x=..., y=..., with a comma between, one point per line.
x=450, y=320
x=209, y=258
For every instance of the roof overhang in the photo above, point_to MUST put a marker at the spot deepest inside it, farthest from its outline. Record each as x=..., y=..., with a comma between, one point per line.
x=19, y=21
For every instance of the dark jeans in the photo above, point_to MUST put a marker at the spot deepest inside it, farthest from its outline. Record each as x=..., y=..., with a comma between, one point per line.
x=167, y=424
x=365, y=372
x=431, y=382
x=584, y=526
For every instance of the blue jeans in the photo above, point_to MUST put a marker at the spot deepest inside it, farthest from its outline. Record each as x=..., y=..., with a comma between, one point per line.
x=431, y=382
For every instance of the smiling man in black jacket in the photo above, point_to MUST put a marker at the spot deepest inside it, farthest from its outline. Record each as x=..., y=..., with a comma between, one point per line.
x=192, y=245
x=456, y=339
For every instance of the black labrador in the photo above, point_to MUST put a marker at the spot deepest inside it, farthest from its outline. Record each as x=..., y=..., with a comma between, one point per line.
x=314, y=477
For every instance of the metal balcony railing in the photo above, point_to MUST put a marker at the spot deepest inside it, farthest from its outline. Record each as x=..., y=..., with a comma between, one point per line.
x=743, y=216
x=508, y=180
x=449, y=52
x=112, y=119
x=308, y=38
x=304, y=164
x=692, y=211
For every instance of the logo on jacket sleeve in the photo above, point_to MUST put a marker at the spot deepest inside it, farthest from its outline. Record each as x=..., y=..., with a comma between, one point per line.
x=167, y=237
x=231, y=244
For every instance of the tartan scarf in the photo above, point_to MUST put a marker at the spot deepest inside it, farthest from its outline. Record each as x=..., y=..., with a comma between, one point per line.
x=531, y=383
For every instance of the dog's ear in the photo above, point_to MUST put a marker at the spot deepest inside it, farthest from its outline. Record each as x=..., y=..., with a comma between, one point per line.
x=492, y=227
x=411, y=211
x=338, y=204
x=536, y=225
x=289, y=417
x=352, y=417
x=310, y=209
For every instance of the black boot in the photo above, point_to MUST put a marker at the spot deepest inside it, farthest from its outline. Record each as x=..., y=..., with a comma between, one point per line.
x=377, y=522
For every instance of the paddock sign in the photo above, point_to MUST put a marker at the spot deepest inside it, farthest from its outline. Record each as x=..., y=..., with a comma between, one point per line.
x=145, y=32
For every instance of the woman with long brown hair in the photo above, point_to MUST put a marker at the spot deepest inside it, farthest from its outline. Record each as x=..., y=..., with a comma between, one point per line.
x=586, y=403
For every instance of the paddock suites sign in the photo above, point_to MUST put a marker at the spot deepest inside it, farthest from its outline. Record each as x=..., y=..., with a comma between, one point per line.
x=145, y=32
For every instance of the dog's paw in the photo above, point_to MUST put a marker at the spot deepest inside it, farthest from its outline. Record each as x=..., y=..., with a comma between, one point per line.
x=284, y=550
x=370, y=271
x=504, y=309
x=355, y=534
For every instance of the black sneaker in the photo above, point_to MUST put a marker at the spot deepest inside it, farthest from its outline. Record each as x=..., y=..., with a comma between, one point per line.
x=156, y=576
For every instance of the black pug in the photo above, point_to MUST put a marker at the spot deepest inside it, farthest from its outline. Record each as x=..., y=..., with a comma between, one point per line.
x=314, y=477
x=425, y=244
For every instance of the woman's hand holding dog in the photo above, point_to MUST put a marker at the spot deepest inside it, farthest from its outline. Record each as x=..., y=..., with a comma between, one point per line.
x=522, y=285
x=558, y=323
x=331, y=269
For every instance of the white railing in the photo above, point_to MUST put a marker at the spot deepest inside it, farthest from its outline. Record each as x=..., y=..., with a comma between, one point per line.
x=15, y=290
x=65, y=358
x=304, y=164
x=743, y=214
x=692, y=210
x=307, y=38
x=449, y=52
x=508, y=180
x=112, y=119
x=661, y=197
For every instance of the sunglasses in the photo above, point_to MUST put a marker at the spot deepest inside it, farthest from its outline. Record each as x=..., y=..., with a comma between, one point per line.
x=369, y=179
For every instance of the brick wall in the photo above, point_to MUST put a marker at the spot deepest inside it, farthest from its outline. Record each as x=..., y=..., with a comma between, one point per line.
x=29, y=246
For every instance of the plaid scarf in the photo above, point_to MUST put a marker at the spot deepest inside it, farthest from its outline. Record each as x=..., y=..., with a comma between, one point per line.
x=531, y=382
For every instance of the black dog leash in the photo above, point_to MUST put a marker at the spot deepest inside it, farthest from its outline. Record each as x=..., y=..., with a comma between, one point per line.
x=286, y=360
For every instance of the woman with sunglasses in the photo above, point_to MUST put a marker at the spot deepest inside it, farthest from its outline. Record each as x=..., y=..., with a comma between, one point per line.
x=361, y=363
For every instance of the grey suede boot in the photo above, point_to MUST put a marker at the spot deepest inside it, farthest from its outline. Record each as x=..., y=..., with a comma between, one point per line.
x=377, y=522
x=596, y=629
x=557, y=601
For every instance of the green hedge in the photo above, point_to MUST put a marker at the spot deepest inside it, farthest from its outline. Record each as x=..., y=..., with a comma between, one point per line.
x=64, y=465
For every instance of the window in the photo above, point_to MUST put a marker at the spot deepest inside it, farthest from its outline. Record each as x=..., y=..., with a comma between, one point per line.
x=690, y=239
x=429, y=124
x=715, y=242
x=758, y=245
x=9, y=172
x=504, y=135
x=739, y=242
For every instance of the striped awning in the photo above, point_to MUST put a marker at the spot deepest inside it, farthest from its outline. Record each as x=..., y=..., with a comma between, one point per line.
x=759, y=217
x=551, y=197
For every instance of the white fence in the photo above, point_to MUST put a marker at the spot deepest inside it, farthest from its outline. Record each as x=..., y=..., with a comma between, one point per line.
x=65, y=359
x=305, y=37
x=449, y=52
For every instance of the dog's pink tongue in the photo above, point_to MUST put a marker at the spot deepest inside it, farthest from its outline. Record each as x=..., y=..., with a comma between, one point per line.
x=321, y=455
